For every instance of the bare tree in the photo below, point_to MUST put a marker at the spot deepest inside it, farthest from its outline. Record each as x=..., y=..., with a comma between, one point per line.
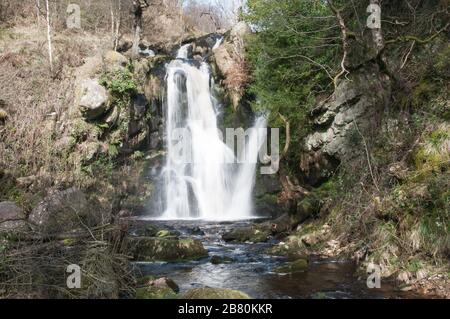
x=38, y=12
x=116, y=20
x=49, y=36
x=138, y=7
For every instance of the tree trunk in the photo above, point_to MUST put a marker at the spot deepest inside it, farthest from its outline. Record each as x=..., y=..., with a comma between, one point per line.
x=38, y=12
x=49, y=37
x=137, y=12
x=118, y=22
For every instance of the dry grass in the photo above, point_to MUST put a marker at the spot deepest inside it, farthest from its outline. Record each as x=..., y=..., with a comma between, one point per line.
x=37, y=268
x=36, y=101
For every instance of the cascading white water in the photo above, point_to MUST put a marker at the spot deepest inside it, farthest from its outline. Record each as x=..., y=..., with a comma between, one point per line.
x=207, y=186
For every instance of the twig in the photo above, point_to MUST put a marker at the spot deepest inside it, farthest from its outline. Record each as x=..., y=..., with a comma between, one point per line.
x=368, y=155
x=407, y=55
x=345, y=45
x=288, y=135
x=306, y=58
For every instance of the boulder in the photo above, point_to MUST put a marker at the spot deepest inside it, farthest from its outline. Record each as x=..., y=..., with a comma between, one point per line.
x=162, y=288
x=214, y=293
x=299, y=265
x=216, y=260
x=165, y=249
x=114, y=61
x=12, y=218
x=308, y=207
x=247, y=234
x=94, y=99
x=63, y=211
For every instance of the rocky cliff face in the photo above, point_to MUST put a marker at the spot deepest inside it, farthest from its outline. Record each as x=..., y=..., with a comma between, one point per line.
x=351, y=115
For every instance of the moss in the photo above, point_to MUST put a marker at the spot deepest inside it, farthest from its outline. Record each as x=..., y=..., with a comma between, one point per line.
x=252, y=234
x=442, y=64
x=214, y=293
x=299, y=265
x=69, y=241
x=267, y=200
x=155, y=293
x=415, y=265
x=166, y=249
x=434, y=154
x=423, y=93
x=216, y=260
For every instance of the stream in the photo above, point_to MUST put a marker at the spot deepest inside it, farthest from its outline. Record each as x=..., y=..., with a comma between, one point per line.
x=251, y=269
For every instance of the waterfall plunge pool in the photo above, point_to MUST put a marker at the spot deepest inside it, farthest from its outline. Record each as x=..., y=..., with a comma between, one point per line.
x=251, y=270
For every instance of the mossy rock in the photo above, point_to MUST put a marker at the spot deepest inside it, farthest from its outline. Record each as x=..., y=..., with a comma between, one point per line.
x=162, y=288
x=299, y=265
x=166, y=249
x=155, y=293
x=309, y=207
x=214, y=293
x=216, y=260
x=166, y=233
x=250, y=234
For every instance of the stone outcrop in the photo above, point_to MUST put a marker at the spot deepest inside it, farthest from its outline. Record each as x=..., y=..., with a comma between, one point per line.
x=229, y=58
x=344, y=122
x=63, y=211
x=12, y=218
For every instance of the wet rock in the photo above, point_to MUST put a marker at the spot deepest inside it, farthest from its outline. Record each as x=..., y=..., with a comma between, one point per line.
x=299, y=265
x=214, y=293
x=94, y=99
x=140, y=104
x=247, y=234
x=155, y=141
x=63, y=211
x=216, y=260
x=12, y=218
x=165, y=249
x=197, y=231
x=162, y=288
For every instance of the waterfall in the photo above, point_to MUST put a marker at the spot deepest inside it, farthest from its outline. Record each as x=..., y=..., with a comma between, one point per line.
x=209, y=185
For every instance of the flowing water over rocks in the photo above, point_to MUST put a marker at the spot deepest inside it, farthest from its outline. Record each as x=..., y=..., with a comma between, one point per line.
x=248, y=268
x=202, y=179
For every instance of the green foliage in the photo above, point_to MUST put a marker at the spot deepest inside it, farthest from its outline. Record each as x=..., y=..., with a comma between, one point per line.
x=119, y=82
x=121, y=85
x=292, y=55
x=138, y=155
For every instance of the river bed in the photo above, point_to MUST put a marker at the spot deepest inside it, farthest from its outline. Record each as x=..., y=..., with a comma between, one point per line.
x=251, y=269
